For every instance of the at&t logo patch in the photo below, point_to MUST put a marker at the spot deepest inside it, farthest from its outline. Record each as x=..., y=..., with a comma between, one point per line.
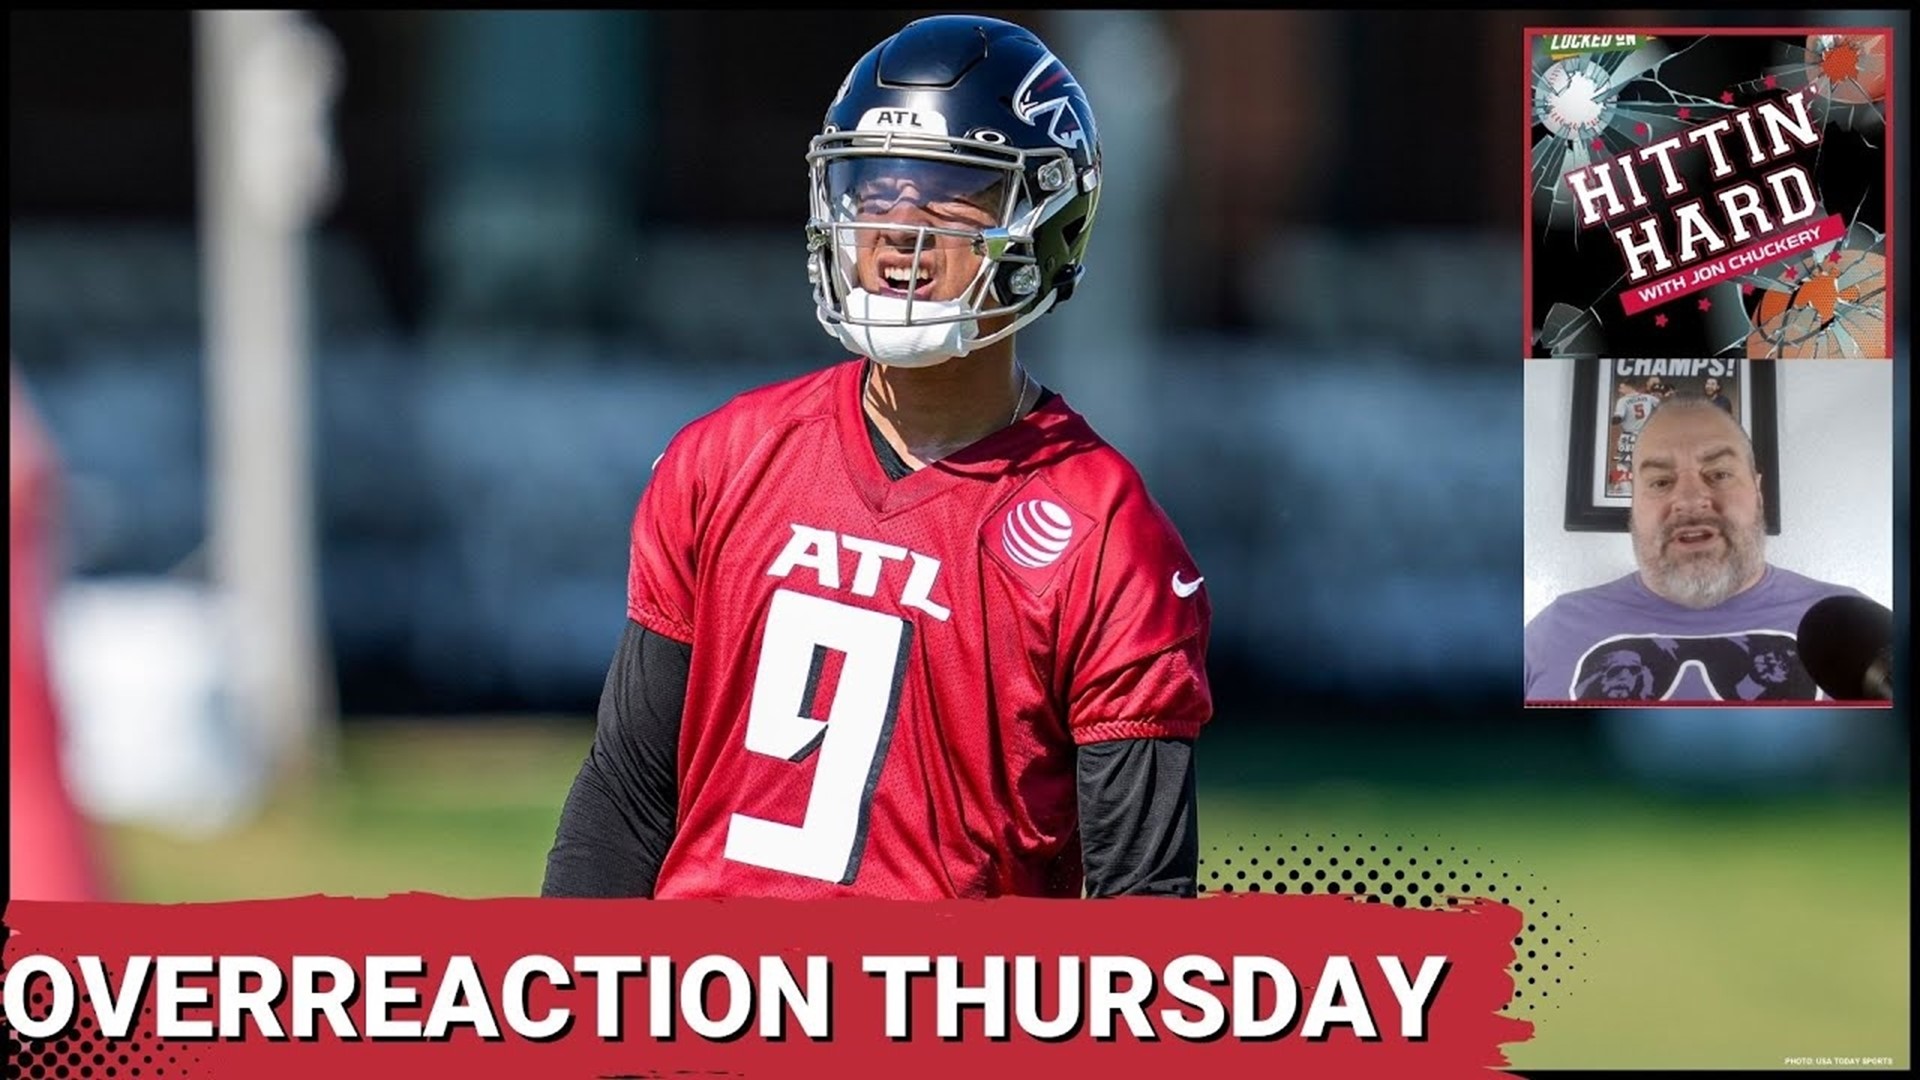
x=1035, y=533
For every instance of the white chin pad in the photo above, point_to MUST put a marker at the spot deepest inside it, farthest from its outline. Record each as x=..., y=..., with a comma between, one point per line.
x=923, y=345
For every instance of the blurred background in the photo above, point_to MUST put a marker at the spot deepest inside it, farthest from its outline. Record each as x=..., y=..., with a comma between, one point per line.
x=343, y=342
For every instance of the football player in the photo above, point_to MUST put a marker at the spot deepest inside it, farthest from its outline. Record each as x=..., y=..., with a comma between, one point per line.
x=907, y=627
x=1631, y=409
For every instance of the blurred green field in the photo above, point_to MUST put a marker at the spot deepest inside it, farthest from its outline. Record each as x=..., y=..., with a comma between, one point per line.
x=1721, y=934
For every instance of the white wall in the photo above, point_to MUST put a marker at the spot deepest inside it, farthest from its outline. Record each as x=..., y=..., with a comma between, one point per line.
x=1836, y=482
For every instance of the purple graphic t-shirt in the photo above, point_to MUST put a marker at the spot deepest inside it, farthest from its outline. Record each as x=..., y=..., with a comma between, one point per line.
x=1622, y=642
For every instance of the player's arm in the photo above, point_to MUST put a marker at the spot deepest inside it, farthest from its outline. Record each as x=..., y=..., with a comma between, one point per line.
x=1138, y=700
x=1135, y=727
x=619, y=817
x=1139, y=829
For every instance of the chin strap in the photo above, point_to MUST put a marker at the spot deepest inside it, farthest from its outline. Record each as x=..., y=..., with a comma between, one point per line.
x=1039, y=309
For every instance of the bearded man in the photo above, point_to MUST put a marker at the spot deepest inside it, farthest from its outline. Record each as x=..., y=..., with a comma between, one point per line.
x=1703, y=582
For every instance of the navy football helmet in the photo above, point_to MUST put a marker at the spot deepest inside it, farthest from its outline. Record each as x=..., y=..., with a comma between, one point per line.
x=985, y=133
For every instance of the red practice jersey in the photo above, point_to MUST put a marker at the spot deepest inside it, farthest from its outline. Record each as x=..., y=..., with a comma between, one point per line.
x=890, y=677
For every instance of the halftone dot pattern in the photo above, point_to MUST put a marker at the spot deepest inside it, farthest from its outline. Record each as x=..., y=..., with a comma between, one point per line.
x=82, y=1053
x=1549, y=953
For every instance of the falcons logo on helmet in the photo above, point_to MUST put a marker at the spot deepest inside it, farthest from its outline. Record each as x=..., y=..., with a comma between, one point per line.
x=1045, y=91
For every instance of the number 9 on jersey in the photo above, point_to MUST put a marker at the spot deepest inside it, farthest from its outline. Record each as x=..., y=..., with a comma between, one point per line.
x=851, y=743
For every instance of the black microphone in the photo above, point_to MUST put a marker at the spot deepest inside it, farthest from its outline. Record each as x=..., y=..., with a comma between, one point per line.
x=1846, y=644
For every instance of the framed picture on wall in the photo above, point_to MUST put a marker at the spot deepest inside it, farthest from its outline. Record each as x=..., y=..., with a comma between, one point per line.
x=1612, y=399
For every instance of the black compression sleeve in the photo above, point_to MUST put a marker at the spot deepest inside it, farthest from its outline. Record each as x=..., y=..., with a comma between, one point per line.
x=619, y=817
x=1139, y=831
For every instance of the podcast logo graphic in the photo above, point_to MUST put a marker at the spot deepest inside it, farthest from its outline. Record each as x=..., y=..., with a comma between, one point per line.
x=1561, y=46
x=1721, y=194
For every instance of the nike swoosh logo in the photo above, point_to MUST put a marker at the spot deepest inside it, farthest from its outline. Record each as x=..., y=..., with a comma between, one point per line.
x=1185, y=588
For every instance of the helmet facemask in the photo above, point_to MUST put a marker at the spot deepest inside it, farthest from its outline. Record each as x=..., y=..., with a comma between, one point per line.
x=894, y=212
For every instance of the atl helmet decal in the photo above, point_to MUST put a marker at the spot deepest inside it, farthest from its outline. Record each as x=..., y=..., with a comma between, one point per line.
x=1037, y=533
x=1043, y=91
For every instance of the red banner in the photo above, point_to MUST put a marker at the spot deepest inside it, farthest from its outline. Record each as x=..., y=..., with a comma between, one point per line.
x=414, y=985
x=1788, y=244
